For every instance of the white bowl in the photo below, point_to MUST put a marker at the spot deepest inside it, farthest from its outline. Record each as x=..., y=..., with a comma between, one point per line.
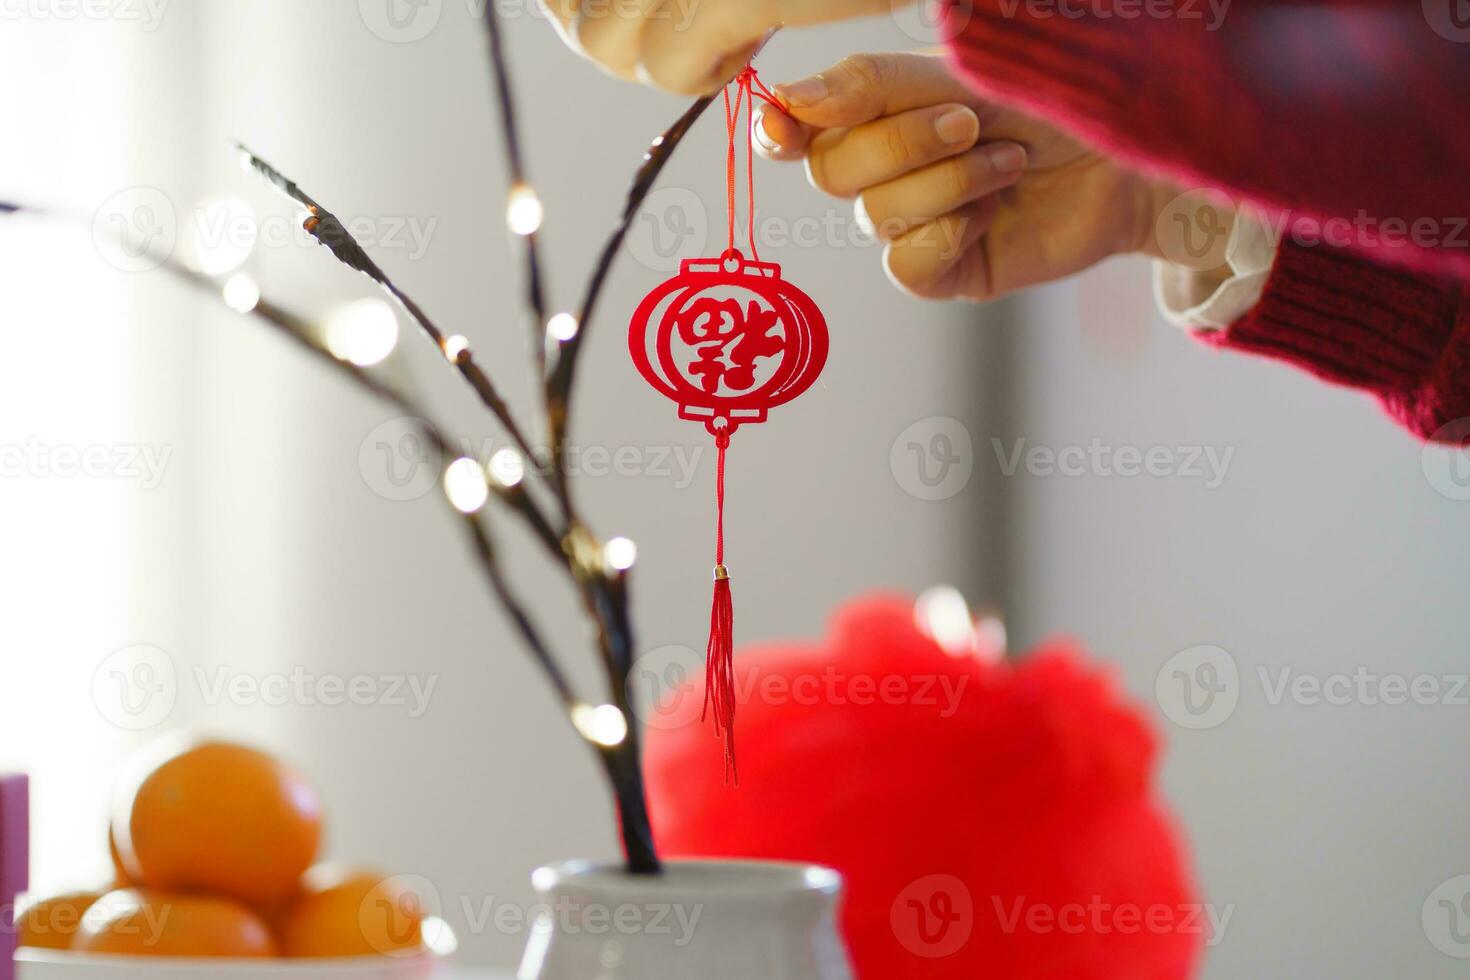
x=36, y=964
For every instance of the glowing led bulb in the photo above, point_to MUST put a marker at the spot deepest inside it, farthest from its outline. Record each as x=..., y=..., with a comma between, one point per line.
x=464, y=485
x=563, y=327
x=364, y=332
x=508, y=467
x=224, y=235
x=455, y=346
x=619, y=554
x=241, y=293
x=943, y=615
x=523, y=210
x=439, y=936
x=603, y=725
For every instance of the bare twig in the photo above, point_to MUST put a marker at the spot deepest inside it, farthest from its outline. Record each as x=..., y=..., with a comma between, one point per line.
x=574, y=548
x=327, y=229
x=302, y=335
x=605, y=600
x=604, y=592
x=559, y=385
x=515, y=161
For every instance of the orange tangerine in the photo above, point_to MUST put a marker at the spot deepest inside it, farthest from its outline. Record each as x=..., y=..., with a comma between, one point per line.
x=134, y=922
x=352, y=912
x=52, y=922
x=217, y=818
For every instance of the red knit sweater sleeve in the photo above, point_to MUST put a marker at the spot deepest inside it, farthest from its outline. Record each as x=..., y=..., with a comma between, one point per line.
x=1402, y=336
x=1343, y=119
x=1351, y=110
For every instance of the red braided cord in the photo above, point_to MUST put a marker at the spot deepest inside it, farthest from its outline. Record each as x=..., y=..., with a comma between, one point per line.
x=731, y=118
x=722, y=442
x=748, y=88
x=745, y=79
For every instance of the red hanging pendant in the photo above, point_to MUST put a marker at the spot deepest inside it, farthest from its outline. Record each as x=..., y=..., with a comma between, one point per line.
x=728, y=339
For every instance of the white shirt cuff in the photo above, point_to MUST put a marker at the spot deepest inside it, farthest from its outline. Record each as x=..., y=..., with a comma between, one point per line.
x=1250, y=253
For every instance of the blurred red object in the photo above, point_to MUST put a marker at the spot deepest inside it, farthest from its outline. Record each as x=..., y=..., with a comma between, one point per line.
x=994, y=819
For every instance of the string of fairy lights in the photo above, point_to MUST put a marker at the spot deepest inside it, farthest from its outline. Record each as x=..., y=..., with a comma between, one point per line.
x=355, y=339
x=365, y=333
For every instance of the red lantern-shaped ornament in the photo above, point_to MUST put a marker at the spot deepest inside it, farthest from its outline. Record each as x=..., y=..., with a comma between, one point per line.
x=728, y=339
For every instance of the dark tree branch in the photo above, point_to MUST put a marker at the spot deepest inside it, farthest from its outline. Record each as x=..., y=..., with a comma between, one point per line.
x=300, y=333
x=515, y=161
x=576, y=549
x=604, y=591
x=327, y=229
x=560, y=384
x=606, y=606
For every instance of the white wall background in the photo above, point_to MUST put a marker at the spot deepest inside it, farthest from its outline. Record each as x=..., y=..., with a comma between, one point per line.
x=1324, y=550
x=96, y=370
x=267, y=547
x=280, y=553
x=487, y=783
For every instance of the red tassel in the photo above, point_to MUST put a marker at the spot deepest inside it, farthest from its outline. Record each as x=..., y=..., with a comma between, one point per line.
x=719, y=663
x=720, y=667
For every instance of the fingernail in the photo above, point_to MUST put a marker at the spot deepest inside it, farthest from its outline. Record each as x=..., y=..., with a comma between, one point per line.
x=762, y=137
x=808, y=91
x=1008, y=157
x=957, y=126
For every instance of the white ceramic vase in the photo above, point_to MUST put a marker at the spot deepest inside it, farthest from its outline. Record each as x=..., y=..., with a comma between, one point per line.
x=714, y=920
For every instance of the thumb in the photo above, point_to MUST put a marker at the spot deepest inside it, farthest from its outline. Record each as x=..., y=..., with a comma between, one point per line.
x=779, y=136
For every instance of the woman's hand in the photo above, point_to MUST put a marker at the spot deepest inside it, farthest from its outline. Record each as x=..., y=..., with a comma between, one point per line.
x=971, y=199
x=689, y=46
